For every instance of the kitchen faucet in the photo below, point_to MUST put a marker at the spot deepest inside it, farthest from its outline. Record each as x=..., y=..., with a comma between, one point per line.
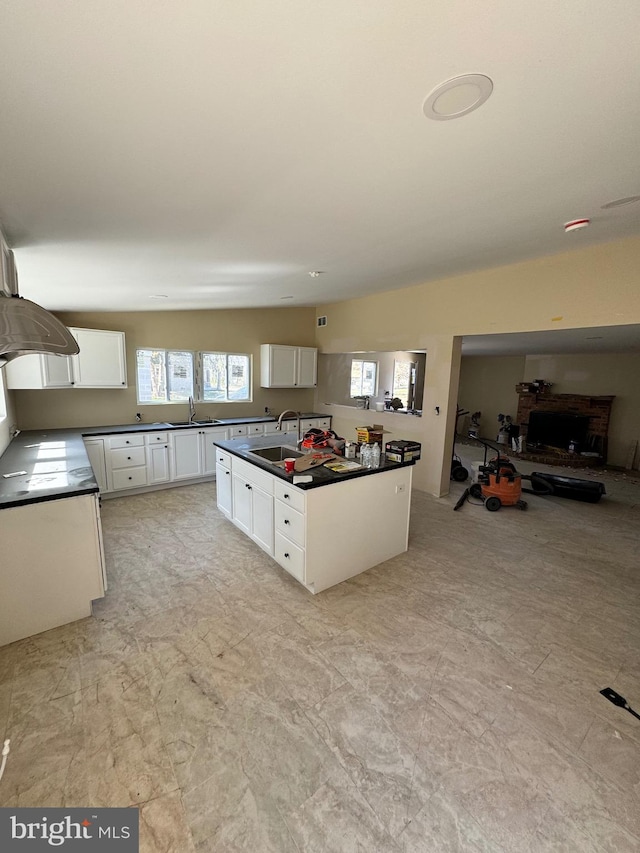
x=297, y=417
x=192, y=410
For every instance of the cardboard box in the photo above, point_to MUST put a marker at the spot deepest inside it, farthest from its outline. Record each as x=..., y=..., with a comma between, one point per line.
x=403, y=451
x=370, y=434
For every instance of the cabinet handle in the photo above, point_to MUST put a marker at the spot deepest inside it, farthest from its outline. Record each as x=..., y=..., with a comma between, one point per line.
x=286, y=497
x=129, y=458
x=247, y=486
x=286, y=521
x=227, y=473
x=122, y=383
x=286, y=555
x=131, y=478
x=127, y=442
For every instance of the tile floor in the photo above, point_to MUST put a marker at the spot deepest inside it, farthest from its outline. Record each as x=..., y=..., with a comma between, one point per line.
x=446, y=700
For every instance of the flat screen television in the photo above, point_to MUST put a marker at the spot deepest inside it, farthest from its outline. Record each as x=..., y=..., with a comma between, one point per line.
x=556, y=429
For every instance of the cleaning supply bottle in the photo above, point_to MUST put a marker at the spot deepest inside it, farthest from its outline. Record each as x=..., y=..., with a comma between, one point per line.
x=375, y=456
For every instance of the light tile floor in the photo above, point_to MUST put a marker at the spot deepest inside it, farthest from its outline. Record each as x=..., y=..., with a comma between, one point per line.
x=446, y=700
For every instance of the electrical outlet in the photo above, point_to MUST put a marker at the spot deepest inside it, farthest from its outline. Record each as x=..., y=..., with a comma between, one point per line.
x=401, y=488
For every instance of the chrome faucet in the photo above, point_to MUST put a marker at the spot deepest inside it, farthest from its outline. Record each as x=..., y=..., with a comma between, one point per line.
x=192, y=410
x=297, y=417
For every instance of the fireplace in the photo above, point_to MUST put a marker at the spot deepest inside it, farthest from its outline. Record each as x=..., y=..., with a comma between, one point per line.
x=553, y=421
x=557, y=429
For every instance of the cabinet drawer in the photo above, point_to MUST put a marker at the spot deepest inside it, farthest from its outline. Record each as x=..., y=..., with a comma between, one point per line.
x=157, y=438
x=223, y=458
x=271, y=428
x=127, y=457
x=289, y=495
x=253, y=475
x=290, y=523
x=292, y=426
x=126, y=441
x=289, y=556
x=324, y=423
x=237, y=429
x=309, y=423
x=129, y=478
x=255, y=429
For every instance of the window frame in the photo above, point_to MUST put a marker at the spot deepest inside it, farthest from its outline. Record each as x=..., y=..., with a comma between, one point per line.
x=197, y=361
x=363, y=361
x=200, y=380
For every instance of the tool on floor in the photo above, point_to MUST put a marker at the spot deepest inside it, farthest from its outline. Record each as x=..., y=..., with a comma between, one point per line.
x=610, y=694
x=499, y=484
x=458, y=472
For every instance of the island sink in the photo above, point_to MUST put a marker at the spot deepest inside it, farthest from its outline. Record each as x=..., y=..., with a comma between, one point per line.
x=276, y=454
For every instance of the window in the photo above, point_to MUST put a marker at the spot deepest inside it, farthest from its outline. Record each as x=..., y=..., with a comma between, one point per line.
x=226, y=377
x=164, y=376
x=172, y=376
x=403, y=378
x=364, y=378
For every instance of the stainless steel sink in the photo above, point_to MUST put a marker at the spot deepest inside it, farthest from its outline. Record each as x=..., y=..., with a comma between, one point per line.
x=276, y=454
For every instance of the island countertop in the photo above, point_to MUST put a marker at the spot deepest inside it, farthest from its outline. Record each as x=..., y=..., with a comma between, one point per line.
x=321, y=475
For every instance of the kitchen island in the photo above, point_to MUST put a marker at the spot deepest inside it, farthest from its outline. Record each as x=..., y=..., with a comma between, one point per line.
x=323, y=531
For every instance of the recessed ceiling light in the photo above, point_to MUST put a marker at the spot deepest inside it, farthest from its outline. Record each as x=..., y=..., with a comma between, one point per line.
x=620, y=202
x=457, y=97
x=316, y=273
x=159, y=296
x=286, y=297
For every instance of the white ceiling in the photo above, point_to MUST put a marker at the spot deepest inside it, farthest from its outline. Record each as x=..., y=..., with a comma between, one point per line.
x=217, y=150
x=603, y=339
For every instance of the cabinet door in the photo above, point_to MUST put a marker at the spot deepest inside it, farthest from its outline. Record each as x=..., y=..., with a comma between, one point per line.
x=241, y=499
x=101, y=360
x=223, y=490
x=278, y=366
x=57, y=371
x=307, y=370
x=209, y=448
x=157, y=463
x=95, y=452
x=262, y=519
x=186, y=456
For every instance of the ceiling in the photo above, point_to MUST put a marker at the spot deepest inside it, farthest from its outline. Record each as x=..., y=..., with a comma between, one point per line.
x=604, y=339
x=216, y=152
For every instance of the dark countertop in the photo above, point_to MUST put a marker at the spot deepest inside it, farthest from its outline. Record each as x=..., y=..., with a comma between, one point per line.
x=321, y=476
x=56, y=464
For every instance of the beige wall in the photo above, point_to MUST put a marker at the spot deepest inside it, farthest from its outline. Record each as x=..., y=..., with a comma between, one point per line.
x=594, y=286
x=227, y=331
x=614, y=373
x=488, y=384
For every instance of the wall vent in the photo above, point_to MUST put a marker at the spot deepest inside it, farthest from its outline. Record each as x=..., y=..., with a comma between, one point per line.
x=322, y=321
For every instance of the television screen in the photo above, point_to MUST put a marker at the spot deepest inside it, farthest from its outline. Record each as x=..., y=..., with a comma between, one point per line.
x=556, y=429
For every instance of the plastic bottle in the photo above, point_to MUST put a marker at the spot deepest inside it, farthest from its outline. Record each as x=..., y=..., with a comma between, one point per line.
x=365, y=456
x=375, y=455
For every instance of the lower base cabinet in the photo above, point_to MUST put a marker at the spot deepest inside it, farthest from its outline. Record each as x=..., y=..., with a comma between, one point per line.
x=310, y=533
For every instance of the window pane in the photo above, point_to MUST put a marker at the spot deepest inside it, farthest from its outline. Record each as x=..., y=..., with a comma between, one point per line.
x=180, y=376
x=238, y=377
x=369, y=369
x=214, y=376
x=401, y=377
x=356, y=378
x=152, y=379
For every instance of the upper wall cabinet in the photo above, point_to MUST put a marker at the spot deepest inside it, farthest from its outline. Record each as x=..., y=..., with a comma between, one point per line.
x=99, y=364
x=288, y=367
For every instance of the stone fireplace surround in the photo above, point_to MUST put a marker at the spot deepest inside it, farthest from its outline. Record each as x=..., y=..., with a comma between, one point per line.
x=597, y=409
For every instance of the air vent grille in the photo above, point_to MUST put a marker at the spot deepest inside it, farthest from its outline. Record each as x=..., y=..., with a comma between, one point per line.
x=322, y=321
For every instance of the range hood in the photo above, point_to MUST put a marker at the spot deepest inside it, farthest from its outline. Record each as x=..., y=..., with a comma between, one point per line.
x=25, y=327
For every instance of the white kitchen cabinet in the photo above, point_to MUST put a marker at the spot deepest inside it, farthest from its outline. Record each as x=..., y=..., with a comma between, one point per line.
x=186, y=454
x=157, y=459
x=101, y=362
x=208, y=436
x=223, y=490
x=237, y=430
x=39, y=371
x=56, y=568
x=95, y=452
x=252, y=503
x=288, y=367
